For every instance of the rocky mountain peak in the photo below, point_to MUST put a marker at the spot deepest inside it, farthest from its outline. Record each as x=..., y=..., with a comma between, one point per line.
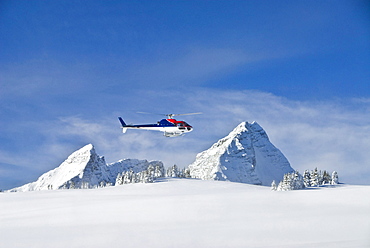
x=84, y=168
x=245, y=155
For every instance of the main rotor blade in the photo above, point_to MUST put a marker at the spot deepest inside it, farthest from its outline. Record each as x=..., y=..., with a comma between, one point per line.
x=169, y=115
x=148, y=113
x=198, y=113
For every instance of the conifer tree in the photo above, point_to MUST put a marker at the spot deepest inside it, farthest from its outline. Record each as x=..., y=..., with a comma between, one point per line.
x=173, y=171
x=284, y=185
x=291, y=181
x=273, y=186
x=138, y=177
x=306, y=178
x=280, y=186
x=320, y=178
x=119, y=179
x=129, y=177
x=314, y=178
x=334, y=178
x=150, y=175
x=297, y=181
x=144, y=176
x=158, y=172
x=187, y=173
x=180, y=173
x=288, y=181
x=326, y=178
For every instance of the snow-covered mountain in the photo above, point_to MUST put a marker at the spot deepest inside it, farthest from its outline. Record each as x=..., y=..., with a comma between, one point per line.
x=86, y=169
x=245, y=155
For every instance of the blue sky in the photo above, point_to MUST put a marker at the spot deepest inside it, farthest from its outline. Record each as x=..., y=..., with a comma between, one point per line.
x=69, y=68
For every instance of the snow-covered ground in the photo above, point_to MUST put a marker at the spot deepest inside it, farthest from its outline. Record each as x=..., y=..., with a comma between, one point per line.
x=187, y=213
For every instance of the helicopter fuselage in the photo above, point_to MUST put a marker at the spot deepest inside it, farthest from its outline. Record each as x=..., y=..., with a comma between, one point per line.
x=170, y=127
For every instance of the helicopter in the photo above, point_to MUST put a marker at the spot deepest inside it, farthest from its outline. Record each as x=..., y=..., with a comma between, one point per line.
x=169, y=126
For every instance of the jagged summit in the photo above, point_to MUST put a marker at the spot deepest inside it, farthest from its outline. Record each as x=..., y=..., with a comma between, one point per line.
x=79, y=163
x=245, y=155
x=84, y=168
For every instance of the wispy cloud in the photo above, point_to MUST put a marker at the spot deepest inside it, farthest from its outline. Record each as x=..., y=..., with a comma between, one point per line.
x=194, y=67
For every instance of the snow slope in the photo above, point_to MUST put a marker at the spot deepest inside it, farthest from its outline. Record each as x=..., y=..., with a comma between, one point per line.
x=246, y=155
x=84, y=168
x=186, y=213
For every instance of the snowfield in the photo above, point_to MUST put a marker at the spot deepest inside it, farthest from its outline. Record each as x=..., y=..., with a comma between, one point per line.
x=187, y=213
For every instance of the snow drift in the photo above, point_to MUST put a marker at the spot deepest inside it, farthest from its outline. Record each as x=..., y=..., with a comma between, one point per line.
x=246, y=155
x=86, y=169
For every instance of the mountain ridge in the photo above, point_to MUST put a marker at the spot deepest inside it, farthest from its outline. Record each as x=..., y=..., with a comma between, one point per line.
x=84, y=168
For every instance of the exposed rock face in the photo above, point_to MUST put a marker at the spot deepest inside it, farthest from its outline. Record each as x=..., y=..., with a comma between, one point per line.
x=246, y=155
x=85, y=169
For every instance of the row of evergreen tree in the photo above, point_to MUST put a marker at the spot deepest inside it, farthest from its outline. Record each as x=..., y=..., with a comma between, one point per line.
x=152, y=173
x=175, y=171
x=129, y=176
x=291, y=181
x=146, y=176
x=81, y=185
x=314, y=178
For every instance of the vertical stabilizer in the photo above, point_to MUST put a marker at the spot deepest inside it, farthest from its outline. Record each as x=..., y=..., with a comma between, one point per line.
x=124, y=129
x=122, y=122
